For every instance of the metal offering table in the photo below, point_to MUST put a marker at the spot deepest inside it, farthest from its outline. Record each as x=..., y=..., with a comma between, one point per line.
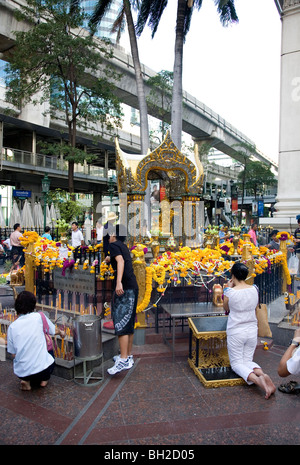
x=208, y=356
x=184, y=311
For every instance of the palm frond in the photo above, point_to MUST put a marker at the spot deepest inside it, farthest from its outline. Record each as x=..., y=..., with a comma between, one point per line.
x=119, y=24
x=100, y=9
x=227, y=12
x=151, y=11
x=75, y=6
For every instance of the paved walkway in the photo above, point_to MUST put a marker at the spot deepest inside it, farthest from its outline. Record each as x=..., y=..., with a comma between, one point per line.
x=157, y=402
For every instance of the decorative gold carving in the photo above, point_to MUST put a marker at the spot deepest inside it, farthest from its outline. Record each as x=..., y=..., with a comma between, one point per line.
x=217, y=295
x=132, y=174
x=155, y=246
x=210, y=350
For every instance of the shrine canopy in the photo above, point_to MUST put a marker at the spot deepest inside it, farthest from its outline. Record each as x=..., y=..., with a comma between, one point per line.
x=182, y=174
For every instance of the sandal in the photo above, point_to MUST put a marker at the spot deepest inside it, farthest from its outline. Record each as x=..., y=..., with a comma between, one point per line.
x=292, y=387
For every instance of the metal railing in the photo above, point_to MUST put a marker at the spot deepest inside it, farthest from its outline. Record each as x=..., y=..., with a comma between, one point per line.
x=45, y=162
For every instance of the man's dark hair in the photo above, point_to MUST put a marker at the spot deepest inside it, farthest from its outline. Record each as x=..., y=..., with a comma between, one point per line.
x=25, y=303
x=239, y=271
x=47, y=228
x=274, y=233
x=16, y=226
x=121, y=232
x=75, y=222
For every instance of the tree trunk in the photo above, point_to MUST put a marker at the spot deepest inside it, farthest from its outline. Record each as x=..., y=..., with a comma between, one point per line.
x=71, y=179
x=243, y=190
x=176, y=124
x=144, y=128
x=72, y=141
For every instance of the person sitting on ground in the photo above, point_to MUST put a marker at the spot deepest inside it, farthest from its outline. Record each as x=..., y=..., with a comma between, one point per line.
x=240, y=300
x=290, y=365
x=2, y=252
x=124, y=299
x=274, y=242
x=26, y=342
x=7, y=247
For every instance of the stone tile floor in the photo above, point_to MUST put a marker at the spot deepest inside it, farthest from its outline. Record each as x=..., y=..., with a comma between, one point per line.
x=157, y=402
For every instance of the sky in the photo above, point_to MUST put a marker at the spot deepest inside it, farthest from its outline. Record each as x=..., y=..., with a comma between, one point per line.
x=234, y=70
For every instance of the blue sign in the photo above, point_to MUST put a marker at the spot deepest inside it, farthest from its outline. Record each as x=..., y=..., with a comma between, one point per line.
x=260, y=208
x=21, y=194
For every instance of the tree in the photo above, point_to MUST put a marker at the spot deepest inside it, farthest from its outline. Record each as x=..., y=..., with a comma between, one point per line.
x=160, y=97
x=151, y=11
x=100, y=10
x=245, y=151
x=57, y=61
x=256, y=176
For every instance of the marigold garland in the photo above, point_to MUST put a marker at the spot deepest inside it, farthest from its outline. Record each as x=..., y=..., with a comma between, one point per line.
x=190, y=265
x=148, y=290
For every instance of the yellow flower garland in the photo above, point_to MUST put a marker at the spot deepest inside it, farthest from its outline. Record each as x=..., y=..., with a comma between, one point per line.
x=146, y=300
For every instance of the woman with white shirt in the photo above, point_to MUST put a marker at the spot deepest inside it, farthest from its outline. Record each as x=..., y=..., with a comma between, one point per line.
x=240, y=301
x=33, y=364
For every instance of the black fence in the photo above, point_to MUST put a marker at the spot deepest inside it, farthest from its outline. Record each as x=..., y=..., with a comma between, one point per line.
x=270, y=283
x=6, y=232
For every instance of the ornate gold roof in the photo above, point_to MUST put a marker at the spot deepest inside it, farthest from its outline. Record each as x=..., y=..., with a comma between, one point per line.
x=133, y=169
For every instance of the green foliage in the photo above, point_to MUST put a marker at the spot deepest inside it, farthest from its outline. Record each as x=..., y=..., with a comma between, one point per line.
x=58, y=61
x=160, y=98
x=69, y=209
x=7, y=266
x=68, y=152
x=257, y=176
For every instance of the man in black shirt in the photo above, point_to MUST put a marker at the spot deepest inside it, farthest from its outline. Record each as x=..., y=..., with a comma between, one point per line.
x=124, y=300
x=108, y=228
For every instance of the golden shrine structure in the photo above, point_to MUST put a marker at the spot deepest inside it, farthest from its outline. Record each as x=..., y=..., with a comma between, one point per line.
x=181, y=178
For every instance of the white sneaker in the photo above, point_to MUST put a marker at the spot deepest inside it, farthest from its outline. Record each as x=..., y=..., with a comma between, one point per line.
x=130, y=359
x=119, y=365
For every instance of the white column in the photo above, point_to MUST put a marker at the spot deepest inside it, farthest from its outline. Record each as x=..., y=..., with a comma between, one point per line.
x=288, y=196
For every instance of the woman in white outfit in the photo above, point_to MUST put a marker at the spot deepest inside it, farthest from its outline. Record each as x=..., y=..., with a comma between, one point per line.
x=240, y=301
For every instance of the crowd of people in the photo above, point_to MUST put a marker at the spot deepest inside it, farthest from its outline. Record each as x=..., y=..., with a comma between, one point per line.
x=33, y=362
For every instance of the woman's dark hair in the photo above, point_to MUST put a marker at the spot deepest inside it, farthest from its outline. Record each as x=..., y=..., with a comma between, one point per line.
x=25, y=303
x=239, y=271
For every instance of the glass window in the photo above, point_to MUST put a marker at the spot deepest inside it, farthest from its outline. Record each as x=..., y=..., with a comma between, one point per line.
x=2, y=73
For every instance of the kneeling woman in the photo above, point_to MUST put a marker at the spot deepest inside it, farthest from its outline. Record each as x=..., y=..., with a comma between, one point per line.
x=33, y=364
x=240, y=300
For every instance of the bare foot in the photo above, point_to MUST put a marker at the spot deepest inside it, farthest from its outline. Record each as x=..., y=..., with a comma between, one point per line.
x=270, y=384
x=25, y=386
x=265, y=383
x=44, y=383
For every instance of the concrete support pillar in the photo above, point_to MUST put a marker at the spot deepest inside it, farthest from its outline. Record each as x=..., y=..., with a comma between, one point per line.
x=288, y=196
x=106, y=163
x=33, y=148
x=97, y=207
